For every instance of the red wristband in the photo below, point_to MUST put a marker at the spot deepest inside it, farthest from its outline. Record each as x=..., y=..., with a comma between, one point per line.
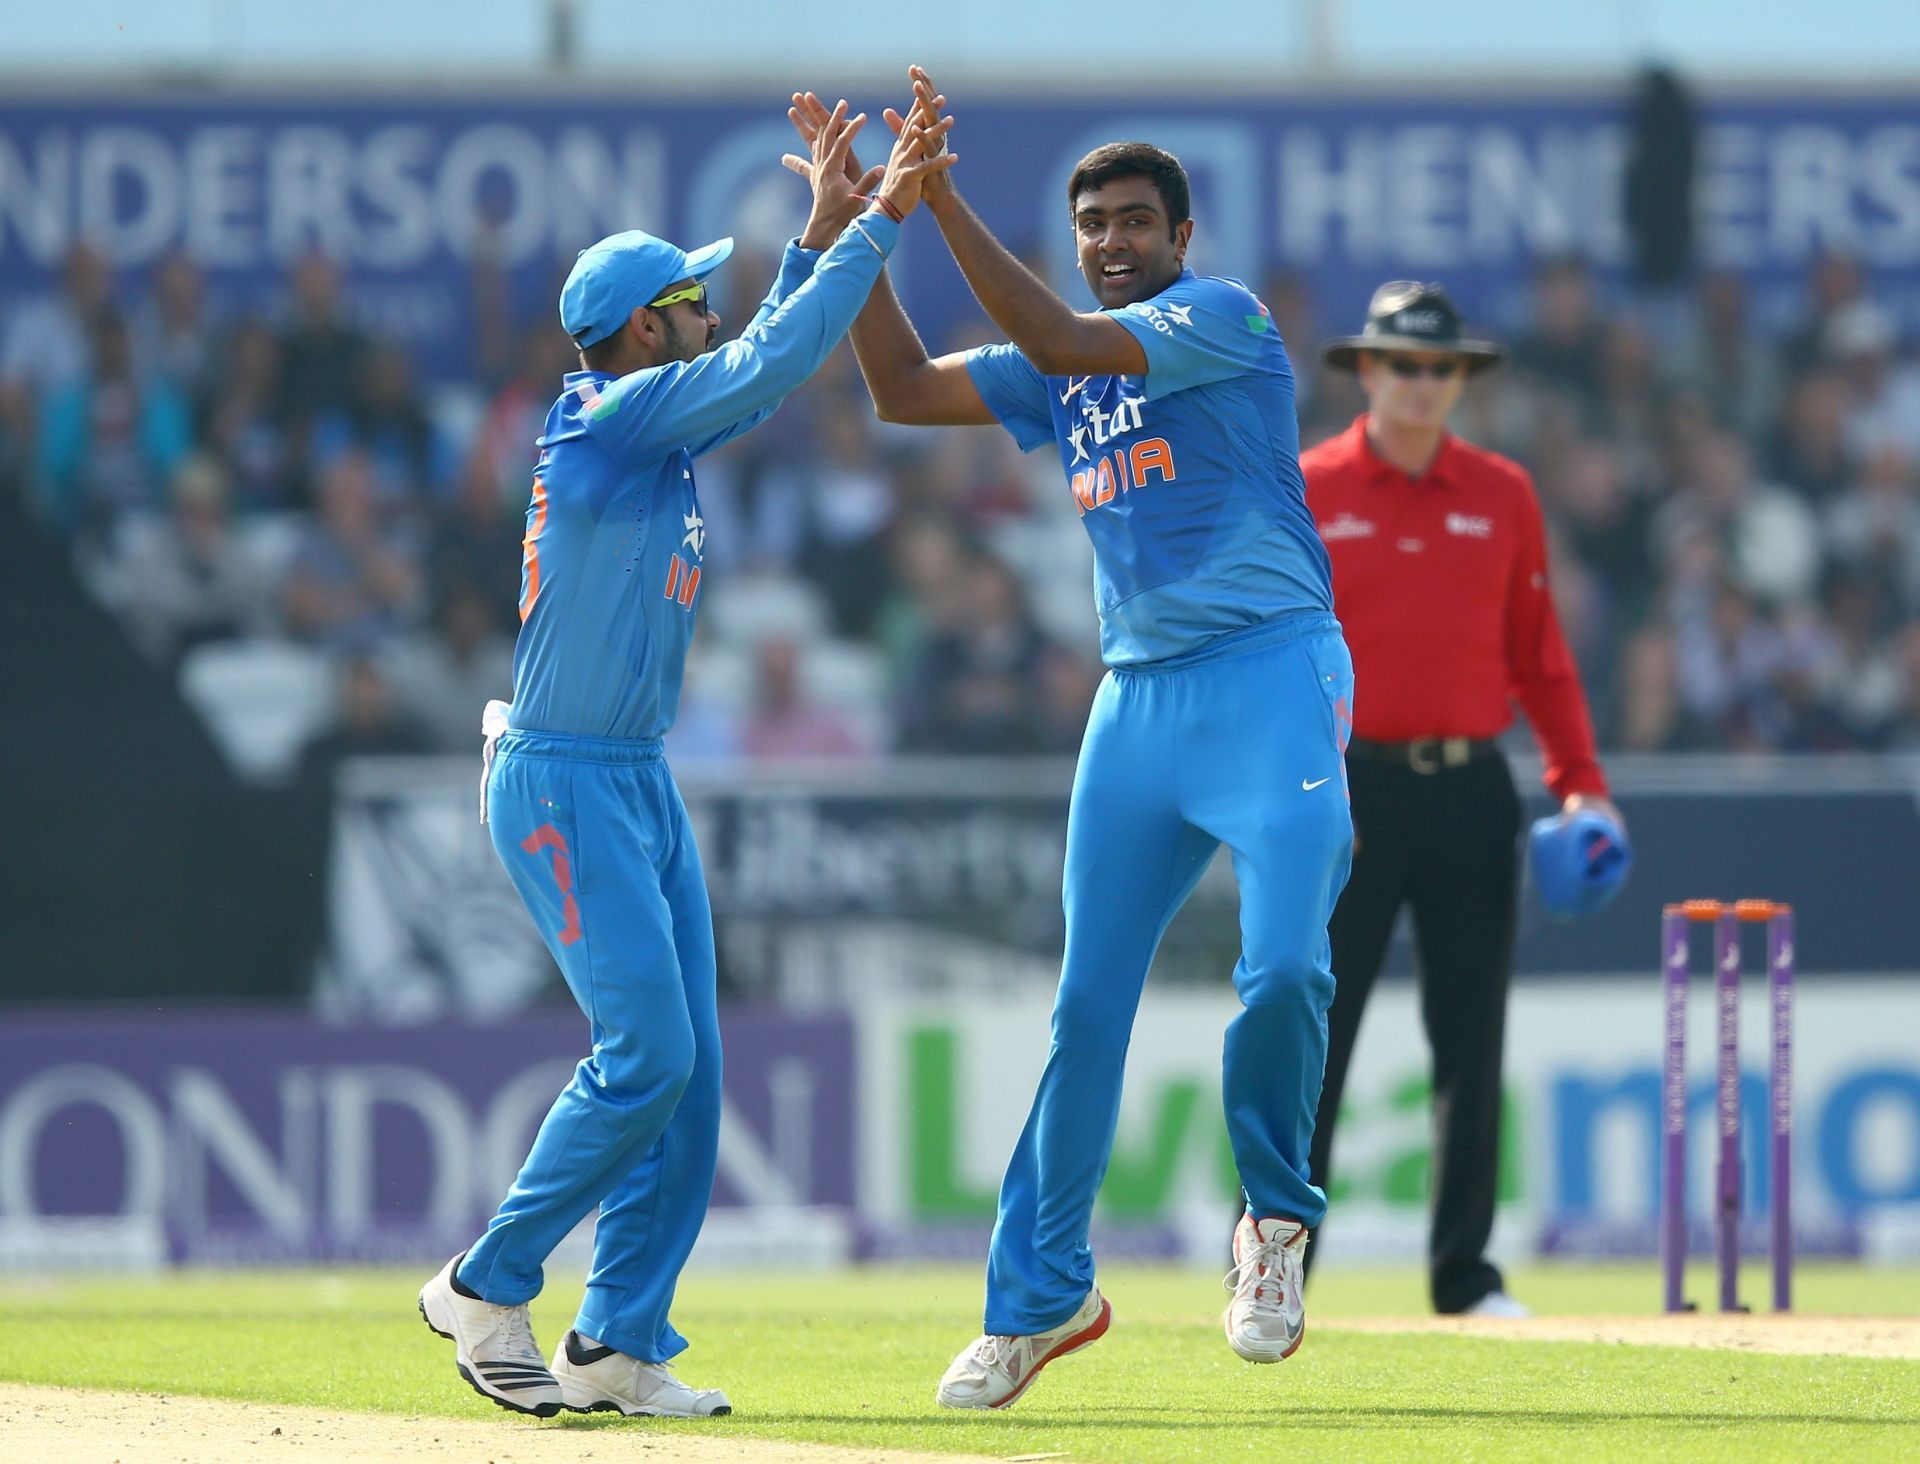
x=880, y=201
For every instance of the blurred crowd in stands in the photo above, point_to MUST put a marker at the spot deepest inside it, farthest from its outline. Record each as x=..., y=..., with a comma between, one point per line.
x=323, y=543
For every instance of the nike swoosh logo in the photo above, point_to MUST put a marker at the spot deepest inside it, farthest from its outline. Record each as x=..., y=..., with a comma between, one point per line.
x=1073, y=388
x=1307, y=787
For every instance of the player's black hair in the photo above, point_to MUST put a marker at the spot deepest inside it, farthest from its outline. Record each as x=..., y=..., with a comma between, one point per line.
x=601, y=355
x=1134, y=160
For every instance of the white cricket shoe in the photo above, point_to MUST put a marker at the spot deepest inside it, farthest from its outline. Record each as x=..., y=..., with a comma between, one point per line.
x=1268, y=1314
x=994, y=1371
x=1499, y=1304
x=596, y=1379
x=493, y=1346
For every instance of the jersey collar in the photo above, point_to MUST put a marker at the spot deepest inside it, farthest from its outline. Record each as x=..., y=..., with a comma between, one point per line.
x=1186, y=273
x=584, y=387
x=1440, y=472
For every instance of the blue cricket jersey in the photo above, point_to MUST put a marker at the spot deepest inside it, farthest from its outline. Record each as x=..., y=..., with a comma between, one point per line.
x=611, y=566
x=1188, y=479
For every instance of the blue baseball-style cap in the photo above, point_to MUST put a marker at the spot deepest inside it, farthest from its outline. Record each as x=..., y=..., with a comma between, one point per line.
x=612, y=279
x=1579, y=862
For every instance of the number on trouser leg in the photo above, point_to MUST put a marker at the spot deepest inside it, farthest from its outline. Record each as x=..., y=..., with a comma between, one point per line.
x=548, y=837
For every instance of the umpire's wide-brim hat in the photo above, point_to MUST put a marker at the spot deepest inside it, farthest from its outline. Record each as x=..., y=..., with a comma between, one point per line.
x=1407, y=316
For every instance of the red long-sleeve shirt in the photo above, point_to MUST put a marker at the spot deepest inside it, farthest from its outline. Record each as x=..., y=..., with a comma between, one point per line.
x=1441, y=584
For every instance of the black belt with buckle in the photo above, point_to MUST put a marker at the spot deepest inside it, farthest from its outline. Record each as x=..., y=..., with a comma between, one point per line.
x=1424, y=754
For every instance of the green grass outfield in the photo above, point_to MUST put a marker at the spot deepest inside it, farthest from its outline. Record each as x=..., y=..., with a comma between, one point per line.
x=852, y=1358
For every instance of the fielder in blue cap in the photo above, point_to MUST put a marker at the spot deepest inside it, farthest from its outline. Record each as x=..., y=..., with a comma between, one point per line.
x=607, y=279
x=581, y=807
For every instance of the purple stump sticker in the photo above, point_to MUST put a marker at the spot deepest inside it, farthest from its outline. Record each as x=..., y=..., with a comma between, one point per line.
x=1726, y=965
x=1673, y=1111
x=1780, y=1102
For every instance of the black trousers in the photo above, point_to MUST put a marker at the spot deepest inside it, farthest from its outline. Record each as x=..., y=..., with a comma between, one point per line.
x=1445, y=843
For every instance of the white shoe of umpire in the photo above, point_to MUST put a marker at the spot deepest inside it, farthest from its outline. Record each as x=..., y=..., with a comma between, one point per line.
x=1499, y=1304
x=994, y=1371
x=1268, y=1314
x=493, y=1346
x=596, y=1379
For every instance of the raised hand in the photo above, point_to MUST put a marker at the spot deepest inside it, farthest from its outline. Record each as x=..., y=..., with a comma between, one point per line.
x=925, y=100
x=919, y=156
x=927, y=107
x=839, y=187
x=809, y=115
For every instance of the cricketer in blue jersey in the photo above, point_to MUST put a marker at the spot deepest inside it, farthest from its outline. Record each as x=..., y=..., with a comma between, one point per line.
x=1221, y=720
x=581, y=807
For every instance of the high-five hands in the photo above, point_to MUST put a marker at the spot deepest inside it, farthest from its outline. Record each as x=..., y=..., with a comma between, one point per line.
x=928, y=105
x=839, y=185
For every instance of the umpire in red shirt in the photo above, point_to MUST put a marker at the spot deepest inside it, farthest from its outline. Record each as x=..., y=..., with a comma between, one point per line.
x=1440, y=581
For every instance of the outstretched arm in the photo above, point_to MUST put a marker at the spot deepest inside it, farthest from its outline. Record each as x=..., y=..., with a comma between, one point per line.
x=906, y=386
x=1059, y=340
x=832, y=211
x=701, y=403
x=1056, y=338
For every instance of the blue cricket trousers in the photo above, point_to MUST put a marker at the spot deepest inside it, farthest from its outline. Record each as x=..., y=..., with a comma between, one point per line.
x=1239, y=744
x=596, y=839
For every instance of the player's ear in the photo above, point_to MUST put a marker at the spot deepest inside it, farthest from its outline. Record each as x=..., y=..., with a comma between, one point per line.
x=1182, y=237
x=646, y=331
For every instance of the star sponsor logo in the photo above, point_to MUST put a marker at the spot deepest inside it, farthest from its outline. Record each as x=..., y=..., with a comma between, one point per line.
x=1163, y=318
x=1078, y=437
x=696, y=537
x=1126, y=414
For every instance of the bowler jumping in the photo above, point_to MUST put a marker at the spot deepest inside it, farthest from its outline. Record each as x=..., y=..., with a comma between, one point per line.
x=1221, y=719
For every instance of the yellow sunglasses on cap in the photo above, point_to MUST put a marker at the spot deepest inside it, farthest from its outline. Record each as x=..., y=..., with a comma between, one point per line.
x=696, y=293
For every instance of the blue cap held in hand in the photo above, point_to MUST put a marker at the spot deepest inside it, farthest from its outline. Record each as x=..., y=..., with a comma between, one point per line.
x=1579, y=862
x=612, y=279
